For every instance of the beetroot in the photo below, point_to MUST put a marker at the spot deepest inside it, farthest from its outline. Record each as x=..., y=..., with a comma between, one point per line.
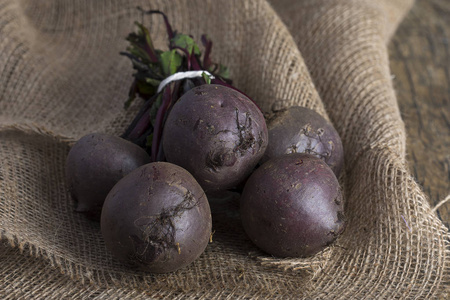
x=95, y=164
x=157, y=218
x=217, y=134
x=302, y=130
x=292, y=206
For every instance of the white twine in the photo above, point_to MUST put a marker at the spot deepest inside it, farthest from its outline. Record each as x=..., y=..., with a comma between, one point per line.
x=181, y=76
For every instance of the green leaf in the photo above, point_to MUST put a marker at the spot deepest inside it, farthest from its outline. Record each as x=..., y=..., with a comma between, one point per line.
x=139, y=53
x=223, y=72
x=186, y=42
x=153, y=82
x=145, y=89
x=147, y=41
x=170, y=62
x=137, y=65
x=206, y=77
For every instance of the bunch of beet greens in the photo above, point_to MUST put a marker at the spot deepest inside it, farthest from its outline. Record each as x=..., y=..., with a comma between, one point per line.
x=153, y=66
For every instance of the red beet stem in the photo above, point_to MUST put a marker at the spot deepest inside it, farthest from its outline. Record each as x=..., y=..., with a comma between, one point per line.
x=167, y=97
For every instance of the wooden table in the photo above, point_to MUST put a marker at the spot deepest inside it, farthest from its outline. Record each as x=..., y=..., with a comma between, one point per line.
x=420, y=61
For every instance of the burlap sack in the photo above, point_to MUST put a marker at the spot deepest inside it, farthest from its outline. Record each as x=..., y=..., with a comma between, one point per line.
x=61, y=77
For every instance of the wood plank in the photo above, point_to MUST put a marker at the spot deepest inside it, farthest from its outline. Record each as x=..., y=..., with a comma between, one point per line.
x=420, y=61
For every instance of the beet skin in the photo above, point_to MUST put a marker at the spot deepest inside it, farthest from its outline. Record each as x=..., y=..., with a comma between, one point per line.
x=292, y=206
x=95, y=163
x=302, y=130
x=217, y=134
x=157, y=218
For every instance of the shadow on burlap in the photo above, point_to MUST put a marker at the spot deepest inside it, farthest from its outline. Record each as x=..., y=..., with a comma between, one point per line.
x=62, y=77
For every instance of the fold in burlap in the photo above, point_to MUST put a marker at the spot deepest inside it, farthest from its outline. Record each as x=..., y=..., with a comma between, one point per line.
x=62, y=77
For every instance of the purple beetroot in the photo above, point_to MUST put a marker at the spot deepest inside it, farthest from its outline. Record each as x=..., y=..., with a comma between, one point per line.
x=292, y=206
x=302, y=130
x=95, y=163
x=157, y=218
x=217, y=134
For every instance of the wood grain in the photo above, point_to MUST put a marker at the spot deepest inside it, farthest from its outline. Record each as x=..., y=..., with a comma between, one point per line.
x=420, y=61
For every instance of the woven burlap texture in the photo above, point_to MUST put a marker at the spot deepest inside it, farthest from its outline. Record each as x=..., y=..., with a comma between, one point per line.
x=61, y=76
